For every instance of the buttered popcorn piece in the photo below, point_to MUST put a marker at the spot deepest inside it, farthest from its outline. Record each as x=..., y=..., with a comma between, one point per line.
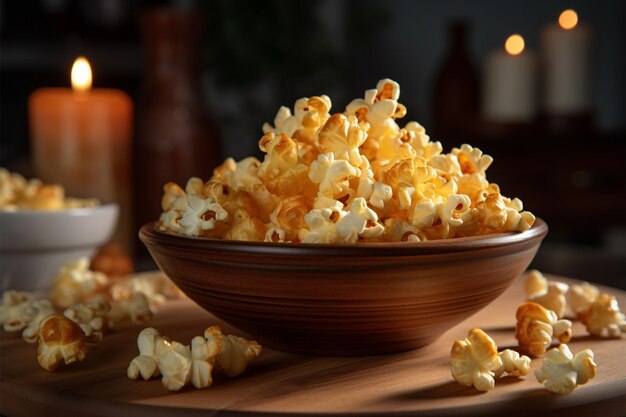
x=335, y=158
x=561, y=371
x=34, y=313
x=12, y=310
x=179, y=364
x=474, y=360
x=145, y=365
x=201, y=215
x=174, y=360
x=91, y=317
x=203, y=356
x=235, y=352
x=76, y=283
x=332, y=175
x=60, y=341
x=581, y=296
x=359, y=222
x=536, y=326
x=513, y=364
x=604, y=316
x=550, y=294
x=134, y=309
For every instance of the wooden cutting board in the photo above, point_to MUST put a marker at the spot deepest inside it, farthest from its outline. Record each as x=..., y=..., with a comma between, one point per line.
x=410, y=383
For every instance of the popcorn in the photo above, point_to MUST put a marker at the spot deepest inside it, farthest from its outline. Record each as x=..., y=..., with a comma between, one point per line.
x=582, y=296
x=12, y=310
x=174, y=361
x=561, y=372
x=146, y=363
x=34, y=313
x=536, y=326
x=475, y=360
x=287, y=219
x=235, y=353
x=16, y=193
x=203, y=356
x=471, y=160
x=604, y=315
x=512, y=364
x=91, y=317
x=179, y=364
x=201, y=215
x=156, y=287
x=135, y=309
x=331, y=174
x=75, y=282
x=60, y=341
x=550, y=294
x=359, y=222
x=280, y=171
x=328, y=161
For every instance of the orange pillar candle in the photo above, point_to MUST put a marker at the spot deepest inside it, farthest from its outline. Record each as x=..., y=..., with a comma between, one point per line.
x=81, y=139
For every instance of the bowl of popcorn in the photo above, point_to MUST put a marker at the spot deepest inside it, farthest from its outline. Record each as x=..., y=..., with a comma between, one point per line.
x=353, y=236
x=41, y=230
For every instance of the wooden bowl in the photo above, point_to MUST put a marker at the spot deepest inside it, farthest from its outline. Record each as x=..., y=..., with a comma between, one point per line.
x=344, y=300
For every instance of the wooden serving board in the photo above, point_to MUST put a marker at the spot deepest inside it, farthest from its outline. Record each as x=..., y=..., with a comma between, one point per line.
x=410, y=383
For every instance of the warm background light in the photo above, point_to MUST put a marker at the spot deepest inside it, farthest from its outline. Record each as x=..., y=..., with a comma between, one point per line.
x=568, y=19
x=81, y=74
x=514, y=45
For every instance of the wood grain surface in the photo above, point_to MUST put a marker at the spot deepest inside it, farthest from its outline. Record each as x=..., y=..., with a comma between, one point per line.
x=416, y=382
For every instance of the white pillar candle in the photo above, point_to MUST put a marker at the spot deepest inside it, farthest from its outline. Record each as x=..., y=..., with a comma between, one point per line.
x=509, y=84
x=566, y=51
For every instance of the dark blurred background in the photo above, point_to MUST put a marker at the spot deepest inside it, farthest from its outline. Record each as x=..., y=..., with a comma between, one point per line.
x=254, y=56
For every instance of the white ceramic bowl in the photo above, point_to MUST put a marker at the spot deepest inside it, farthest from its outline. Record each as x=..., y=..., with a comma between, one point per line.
x=35, y=244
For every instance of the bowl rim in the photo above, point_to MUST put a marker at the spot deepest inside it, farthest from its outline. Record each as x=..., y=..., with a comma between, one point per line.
x=150, y=234
x=73, y=211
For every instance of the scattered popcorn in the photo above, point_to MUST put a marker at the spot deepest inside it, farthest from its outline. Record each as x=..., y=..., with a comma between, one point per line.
x=34, y=313
x=354, y=176
x=512, y=364
x=475, y=360
x=235, y=353
x=91, y=317
x=20, y=311
x=204, y=351
x=60, y=341
x=17, y=193
x=582, y=296
x=604, y=316
x=146, y=363
x=12, y=310
x=550, y=294
x=174, y=361
x=561, y=372
x=180, y=364
x=536, y=326
x=135, y=309
x=75, y=283
x=156, y=287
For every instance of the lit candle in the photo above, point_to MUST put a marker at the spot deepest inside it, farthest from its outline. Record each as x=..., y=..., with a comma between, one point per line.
x=80, y=138
x=509, y=83
x=565, y=53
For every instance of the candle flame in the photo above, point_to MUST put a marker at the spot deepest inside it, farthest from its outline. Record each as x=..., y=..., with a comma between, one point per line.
x=81, y=75
x=514, y=45
x=568, y=19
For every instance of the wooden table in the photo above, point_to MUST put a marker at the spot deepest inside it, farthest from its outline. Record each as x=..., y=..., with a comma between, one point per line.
x=410, y=383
